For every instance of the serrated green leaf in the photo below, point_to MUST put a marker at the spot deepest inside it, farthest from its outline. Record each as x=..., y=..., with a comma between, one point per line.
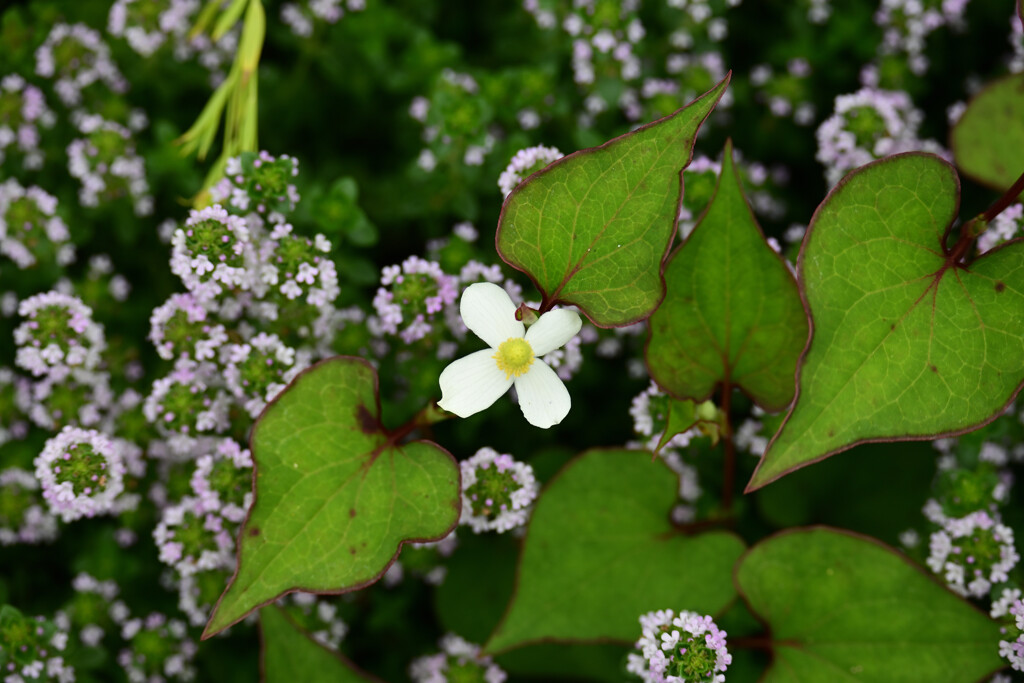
x=988, y=139
x=592, y=229
x=290, y=655
x=335, y=495
x=907, y=344
x=732, y=313
x=600, y=551
x=842, y=607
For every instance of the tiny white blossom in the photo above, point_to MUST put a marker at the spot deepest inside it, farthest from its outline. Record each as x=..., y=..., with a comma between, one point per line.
x=476, y=381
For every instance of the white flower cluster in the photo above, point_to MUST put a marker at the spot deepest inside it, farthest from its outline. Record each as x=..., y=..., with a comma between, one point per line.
x=30, y=229
x=106, y=164
x=524, y=163
x=179, y=328
x=907, y=23
x=471, y=141
x=88, y=62
x=1004, y=227
x=973, y=553
x=779, y=91
x=867, y=125
x=147, y=28
x=1017, y=43
x=497, y=491
x=1010, y=605
x=37, y=642
x=23, y=112
x=211, y=252
x=192, y=537
x=47, y=400
x=81, y=473
x=58, y=335
x=224, y=462
x=455, y=651
x=89, y=613
x=260, y=184
x=258, y=370
x=410, y=297
x=142, y=665
x=186, y=403
x=296, y=268
x=670, y=644
x=300, y=16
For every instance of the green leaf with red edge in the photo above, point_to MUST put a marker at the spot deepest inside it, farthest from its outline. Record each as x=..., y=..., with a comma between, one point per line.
x=732, y=313
x=289, y=654
x=601, y=550
x=843, y=607
x=988, y=139
x=592, y=229
x=908, y=343
x=335, y=495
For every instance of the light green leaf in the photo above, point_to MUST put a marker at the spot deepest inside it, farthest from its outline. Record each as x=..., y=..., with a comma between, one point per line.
x=335, y=495
x=732, y=314
x=290, y=655
x=841, y=607
x=592, y=229
x=600, y=551
x=988, y=139
x=907, y=344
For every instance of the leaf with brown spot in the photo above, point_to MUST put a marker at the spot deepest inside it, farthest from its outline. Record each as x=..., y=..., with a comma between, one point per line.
x=875, y=252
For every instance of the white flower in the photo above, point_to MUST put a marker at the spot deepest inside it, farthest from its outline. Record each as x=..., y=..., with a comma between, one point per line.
x=473, y=383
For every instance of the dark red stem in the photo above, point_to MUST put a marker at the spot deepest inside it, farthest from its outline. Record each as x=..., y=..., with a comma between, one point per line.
x=730, y=449
x=1008, y=198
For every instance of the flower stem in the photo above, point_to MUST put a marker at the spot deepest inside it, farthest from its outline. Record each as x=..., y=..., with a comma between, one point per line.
x=730, y=448
x=430, y=415
x=1008, y=198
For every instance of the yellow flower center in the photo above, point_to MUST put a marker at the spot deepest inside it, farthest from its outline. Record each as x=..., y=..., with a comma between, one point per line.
x=514, y=357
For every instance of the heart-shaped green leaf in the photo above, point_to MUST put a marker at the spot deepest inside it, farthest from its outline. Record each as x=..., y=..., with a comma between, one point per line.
x=842, y=607
x=732, y=313
x=592, y=229
x=600, y=551
x=988, y=139
x=907, y=342
x=289, y=654
x=335, y=495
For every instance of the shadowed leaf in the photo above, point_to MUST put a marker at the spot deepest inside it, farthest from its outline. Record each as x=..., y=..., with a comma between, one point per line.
x=335, y=496
x=988, y=139
x=732, y=313
x=907, y=344
x=842, y=607
x=592, y=228
x=600, y=551
x=289, y=655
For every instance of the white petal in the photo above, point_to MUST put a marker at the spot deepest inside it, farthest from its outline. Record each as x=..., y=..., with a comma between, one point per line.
x=472, y=384
x=542, y=396
x=553, y=330
x=487, y=310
